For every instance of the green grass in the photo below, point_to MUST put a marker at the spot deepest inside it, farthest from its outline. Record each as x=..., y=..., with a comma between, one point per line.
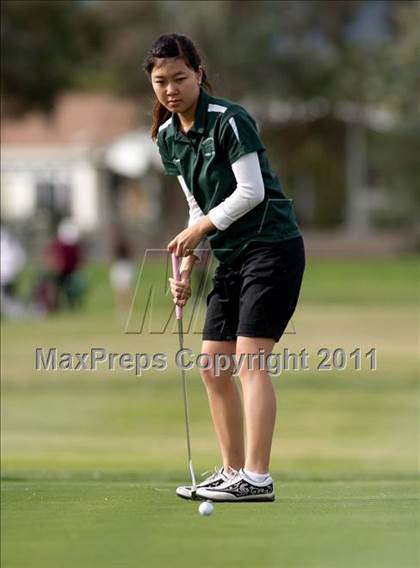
x=90, y=460
x=97, y=523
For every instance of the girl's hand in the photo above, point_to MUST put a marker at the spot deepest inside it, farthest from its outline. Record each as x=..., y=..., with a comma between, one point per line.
x=181, y=290
x=187, y=240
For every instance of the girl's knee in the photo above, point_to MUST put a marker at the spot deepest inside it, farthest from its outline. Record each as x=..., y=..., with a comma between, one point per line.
x=214, y=380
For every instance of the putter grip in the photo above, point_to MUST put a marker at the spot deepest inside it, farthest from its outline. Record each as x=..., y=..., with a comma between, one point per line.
x=177, y=276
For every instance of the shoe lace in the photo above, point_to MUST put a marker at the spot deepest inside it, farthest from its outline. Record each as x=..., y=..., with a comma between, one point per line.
x=212, y=475
x=230, y=473
x=233, y=475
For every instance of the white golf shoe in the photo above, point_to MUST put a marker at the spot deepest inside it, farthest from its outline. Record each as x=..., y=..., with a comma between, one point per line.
x=214, y=480
x=239, y=488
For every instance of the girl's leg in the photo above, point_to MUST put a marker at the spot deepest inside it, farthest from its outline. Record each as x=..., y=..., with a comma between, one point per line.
x=225, y=405
x=259, y=403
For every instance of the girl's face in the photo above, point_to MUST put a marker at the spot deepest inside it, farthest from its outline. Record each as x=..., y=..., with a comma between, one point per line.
x=176, y=85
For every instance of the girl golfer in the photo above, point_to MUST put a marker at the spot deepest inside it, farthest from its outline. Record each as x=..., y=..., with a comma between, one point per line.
x=235, y=202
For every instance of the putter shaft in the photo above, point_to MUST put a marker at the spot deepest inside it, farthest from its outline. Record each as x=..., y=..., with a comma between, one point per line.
x=178, y=311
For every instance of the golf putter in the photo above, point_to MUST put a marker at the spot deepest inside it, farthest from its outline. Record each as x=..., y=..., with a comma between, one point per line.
x=178, y=313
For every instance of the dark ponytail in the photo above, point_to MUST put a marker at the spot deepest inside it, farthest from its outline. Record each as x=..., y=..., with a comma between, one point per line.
x=172, y=45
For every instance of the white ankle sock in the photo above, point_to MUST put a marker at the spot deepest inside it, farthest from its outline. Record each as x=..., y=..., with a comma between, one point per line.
x=257, y=477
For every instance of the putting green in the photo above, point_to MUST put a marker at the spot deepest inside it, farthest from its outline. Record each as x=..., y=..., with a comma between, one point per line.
x=90, y=460
x=113, y=523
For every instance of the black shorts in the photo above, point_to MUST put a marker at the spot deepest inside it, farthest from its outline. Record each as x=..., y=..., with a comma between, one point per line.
x=256, y=295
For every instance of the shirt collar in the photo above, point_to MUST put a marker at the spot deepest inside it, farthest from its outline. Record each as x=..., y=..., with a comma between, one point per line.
x=200, y=117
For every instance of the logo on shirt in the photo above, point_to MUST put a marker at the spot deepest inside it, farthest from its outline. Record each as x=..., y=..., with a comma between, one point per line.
x=207, y=147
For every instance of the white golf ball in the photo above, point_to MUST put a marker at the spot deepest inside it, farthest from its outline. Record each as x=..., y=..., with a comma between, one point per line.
x=206, y=508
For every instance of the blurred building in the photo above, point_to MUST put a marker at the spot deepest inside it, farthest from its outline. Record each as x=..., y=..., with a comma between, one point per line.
x=89, y=161
x=326, y=155
x=93, y=160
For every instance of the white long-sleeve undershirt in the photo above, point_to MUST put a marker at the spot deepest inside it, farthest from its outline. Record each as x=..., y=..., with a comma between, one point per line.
x=248, y=194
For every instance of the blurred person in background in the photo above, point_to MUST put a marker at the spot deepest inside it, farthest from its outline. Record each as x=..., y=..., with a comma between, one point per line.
x=236, y=202
x=63, y=282
x=13, y=261
x=121, y=273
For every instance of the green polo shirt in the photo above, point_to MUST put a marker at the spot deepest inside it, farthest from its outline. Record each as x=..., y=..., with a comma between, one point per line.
x=223, y=131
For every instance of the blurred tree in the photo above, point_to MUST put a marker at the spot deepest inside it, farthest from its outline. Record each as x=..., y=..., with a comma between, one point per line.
x=131, y=29
x=399, y=79
x=251, y=47
x=44, y=46
x=333, y=51
x=354, y=50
